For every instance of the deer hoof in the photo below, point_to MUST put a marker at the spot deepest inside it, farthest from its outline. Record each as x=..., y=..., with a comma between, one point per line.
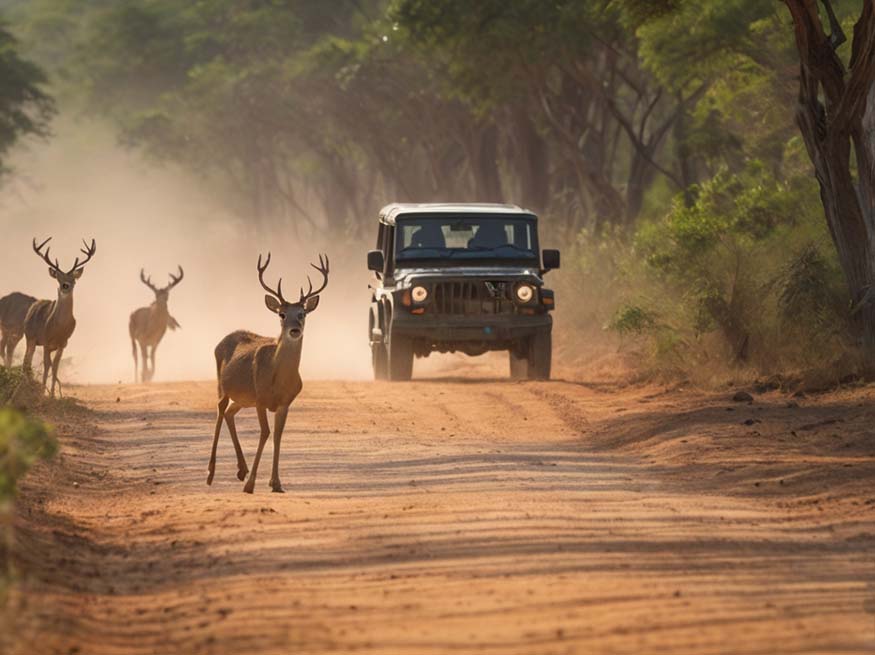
x=242, y=473
x=277, y=487
x=210, y=477
x=249, y=488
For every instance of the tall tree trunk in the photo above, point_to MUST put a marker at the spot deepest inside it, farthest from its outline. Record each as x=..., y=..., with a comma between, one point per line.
x=684, y=157
x=530, y=159
x=641, y=174
x=834, y=129
x=484, y=166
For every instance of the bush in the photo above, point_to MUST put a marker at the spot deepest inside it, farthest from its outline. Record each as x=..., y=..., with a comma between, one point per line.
x=23, y=441
x=743, y=280
x=10, y=379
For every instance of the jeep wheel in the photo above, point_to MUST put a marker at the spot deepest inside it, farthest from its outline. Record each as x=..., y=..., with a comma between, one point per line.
x=519, y=366
x=400, y=358
x=540, y=355
x=380, y=361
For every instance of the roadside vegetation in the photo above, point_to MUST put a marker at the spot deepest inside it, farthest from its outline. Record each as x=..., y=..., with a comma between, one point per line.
x=663, y=143
x=24, y=440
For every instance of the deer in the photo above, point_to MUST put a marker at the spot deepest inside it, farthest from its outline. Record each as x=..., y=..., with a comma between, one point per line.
x=260, y=372
x=13, y=310
x=147, y=325
x=50, y=323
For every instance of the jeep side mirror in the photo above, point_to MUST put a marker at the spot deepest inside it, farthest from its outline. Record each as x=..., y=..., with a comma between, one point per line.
x=376, y=261
x=551, y=259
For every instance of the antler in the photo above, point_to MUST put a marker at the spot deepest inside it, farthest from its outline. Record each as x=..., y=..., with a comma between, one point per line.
x=175, y=279
x=279, y=287
x=38, y=249
x=322, y=268
x=88, y=251
x=147, y=280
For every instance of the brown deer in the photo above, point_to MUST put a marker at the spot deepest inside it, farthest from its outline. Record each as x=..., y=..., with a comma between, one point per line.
x=260, y=372
x=148, y=324
x=13, y=310
x=50, y=323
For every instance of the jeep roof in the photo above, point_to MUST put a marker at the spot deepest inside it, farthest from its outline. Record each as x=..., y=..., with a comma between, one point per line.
x=389, y=213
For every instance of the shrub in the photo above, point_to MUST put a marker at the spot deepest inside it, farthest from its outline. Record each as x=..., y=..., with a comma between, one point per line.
x=23, y=440
x=743, y=277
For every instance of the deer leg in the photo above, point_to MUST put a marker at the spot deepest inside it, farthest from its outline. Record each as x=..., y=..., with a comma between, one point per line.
x=10, y=348
x=136, y=365
x=28, y=356
x=265, y=433
x=145, y=367
x=221, y=407
x=152, y=371
x=279, y=424
x=55, y=364
x=47, y=362
x=242, y=469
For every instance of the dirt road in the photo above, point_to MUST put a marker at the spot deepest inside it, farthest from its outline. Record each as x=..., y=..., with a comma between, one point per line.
x=457, y=516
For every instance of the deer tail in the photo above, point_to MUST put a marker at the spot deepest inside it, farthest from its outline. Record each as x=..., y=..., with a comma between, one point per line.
x=219, y=373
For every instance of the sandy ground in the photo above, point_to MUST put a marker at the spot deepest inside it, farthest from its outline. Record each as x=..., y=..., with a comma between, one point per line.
x=456, y=516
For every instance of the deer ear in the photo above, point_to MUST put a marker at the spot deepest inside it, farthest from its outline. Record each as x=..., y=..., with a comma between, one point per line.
x=272, y=303
x=53, y=273
x=311, y=303
x=77, y=273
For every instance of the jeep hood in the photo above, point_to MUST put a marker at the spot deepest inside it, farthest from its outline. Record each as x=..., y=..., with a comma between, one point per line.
x=403, y=275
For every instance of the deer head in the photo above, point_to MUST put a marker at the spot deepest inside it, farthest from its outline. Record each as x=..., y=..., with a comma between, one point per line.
x=66, y=279
x=162, y=293
x=293, y=315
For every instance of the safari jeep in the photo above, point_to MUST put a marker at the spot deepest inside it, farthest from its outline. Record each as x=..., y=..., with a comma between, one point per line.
x=466, y=278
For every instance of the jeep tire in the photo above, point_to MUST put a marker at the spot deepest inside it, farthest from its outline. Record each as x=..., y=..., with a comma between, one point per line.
x=540, y=355
x=379, y=356
x=380, y=361
x=519, y=366
x=400, y=358
x=536, y=364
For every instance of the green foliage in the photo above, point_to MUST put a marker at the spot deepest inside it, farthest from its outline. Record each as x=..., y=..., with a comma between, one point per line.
x=25, y=108
x=632, y=319
x=811, y=290
x=744, y=276
x=10, y=379
x=23, y=441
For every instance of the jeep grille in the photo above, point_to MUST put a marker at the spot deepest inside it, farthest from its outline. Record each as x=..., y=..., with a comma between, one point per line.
x=471, y=298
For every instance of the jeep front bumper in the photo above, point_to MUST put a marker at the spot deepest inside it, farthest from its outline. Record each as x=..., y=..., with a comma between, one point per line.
x=490, y=328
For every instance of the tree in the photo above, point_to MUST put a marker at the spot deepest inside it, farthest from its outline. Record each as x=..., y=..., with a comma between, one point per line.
x=836, y=115
x=25, y=109
x=573, y=70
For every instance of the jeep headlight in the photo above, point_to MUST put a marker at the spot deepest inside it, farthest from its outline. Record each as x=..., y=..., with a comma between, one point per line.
x=525, y=293
x=419, y=294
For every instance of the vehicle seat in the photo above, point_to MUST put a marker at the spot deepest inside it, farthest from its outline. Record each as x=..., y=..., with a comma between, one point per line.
x=428, y=236
x=489, y=235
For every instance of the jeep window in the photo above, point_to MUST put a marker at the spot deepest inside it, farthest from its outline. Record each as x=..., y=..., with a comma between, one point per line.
x=465, y=237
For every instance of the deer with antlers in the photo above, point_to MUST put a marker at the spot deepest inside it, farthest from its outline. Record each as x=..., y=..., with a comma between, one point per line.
x=13, y=311
x=148, y=324
x=50, y=323
x=260, y=372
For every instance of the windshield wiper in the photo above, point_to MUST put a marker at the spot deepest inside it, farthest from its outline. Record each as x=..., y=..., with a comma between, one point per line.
x=425, y=252
x=515, y=247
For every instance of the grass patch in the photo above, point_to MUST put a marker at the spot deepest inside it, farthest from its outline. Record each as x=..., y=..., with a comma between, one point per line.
x=23, y=441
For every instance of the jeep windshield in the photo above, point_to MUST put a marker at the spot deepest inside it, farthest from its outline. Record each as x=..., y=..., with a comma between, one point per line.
x=452, y=238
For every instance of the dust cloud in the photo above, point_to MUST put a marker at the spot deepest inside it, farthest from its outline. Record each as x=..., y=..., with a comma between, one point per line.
x=82, y=185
